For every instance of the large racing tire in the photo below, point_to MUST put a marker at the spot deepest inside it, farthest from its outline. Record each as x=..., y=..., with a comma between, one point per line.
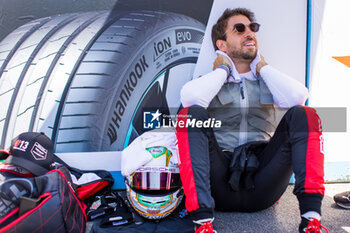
x=84, y=78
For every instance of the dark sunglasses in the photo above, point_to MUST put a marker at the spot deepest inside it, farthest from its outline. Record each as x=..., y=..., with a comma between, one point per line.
x=240, y=27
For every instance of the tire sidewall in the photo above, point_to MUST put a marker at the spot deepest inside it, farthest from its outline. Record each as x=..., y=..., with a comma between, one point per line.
x=164, y=49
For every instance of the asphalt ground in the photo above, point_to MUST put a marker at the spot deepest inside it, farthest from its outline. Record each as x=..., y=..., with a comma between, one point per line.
x=284, y=217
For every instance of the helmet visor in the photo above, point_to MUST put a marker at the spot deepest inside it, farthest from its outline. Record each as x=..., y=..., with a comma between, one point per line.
x=150, y=180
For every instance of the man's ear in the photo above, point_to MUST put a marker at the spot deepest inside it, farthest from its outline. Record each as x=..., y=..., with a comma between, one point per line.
x=221, y=44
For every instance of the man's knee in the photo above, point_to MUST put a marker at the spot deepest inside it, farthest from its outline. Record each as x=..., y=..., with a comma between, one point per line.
x=304, y=115
x=299, y=111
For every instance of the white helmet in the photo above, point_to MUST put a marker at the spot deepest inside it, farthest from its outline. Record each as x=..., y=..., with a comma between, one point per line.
x=154, y=190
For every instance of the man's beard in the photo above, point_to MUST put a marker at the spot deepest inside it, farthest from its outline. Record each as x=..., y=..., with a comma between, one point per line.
x=249, y=56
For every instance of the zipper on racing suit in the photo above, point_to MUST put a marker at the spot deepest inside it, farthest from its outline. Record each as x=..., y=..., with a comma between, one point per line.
x=243, y=128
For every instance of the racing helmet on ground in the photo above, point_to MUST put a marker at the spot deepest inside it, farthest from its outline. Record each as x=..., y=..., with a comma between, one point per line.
x=155, y=190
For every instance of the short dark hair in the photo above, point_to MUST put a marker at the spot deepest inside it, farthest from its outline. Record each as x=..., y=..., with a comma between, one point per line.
x=218, y=31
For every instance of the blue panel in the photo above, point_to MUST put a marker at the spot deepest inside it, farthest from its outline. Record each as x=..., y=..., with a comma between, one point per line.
x=118, y=180
x=308, y=47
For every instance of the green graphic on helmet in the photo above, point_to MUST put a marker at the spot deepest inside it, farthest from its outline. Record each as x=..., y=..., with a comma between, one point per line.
x=154, y=205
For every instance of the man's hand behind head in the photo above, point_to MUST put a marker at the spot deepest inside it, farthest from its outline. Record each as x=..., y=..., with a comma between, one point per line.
x=221, y=59
x=260, y=64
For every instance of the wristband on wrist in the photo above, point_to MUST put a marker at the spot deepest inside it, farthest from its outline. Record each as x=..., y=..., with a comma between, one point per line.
x=226, y=67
